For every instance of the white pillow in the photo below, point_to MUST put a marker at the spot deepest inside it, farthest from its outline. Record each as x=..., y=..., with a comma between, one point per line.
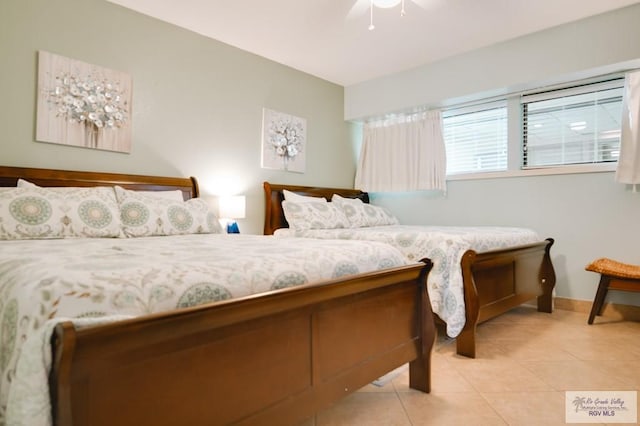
x=297, y=198
x=31, y=212
x=175, y=195
x=362, y=214
x=144, y=215
x=26, y=184
x=60, y=189
x=303, y=216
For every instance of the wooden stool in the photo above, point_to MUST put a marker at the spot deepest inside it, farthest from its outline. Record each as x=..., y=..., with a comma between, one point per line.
x=615, y=276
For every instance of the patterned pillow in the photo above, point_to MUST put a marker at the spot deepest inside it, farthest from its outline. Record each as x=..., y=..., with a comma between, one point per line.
x=31, y=212
x=302, y=216
x=144, y=215
x=361, y=214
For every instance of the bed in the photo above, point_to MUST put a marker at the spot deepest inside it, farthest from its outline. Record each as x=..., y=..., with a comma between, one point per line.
x=272, y=357
x=504, y=274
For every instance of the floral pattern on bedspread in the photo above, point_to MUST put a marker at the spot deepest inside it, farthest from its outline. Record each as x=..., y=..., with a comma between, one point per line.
x=95, y=277
x=444, y=245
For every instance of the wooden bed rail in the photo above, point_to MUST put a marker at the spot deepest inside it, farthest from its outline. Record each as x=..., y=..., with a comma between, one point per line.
x=276, y=358
x=501, y=280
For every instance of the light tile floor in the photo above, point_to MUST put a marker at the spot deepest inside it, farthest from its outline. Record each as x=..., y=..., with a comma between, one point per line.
x=525, y=362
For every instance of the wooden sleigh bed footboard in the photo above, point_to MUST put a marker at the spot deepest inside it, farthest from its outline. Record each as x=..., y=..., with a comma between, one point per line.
x=275, y=358
x=494, y=281
x=497, y=281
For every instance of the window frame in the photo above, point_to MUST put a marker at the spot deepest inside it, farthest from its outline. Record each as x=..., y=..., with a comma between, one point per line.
x=515, y=166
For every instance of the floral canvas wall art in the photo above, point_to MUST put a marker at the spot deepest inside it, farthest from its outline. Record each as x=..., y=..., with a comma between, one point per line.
x=82, y=104
x=284, y=139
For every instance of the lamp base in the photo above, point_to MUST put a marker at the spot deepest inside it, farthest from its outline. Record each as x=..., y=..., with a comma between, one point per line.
x=232, y=228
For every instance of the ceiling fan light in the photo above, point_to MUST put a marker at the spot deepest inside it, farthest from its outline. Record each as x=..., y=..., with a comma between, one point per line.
x=386, y=4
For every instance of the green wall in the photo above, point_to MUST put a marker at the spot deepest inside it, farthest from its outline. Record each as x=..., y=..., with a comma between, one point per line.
x=197, y=102
x=589, y=215
x=585, y=48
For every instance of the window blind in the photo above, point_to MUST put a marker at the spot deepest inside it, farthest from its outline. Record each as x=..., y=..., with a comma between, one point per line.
x=476, y=138
x=577, y=125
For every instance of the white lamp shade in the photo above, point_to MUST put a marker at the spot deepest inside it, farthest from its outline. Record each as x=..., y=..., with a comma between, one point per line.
x=232, y=207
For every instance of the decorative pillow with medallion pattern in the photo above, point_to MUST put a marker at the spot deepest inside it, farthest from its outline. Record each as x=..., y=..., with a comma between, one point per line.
x=362, y=214
x=32, y=212
x=307, y=215
x=145, y=215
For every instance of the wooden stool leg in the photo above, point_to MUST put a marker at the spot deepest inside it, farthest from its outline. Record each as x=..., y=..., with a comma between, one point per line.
x=596, y=308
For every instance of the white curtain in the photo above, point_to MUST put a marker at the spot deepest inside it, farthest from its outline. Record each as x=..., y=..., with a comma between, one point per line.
x=406, y=154
x=628, y=170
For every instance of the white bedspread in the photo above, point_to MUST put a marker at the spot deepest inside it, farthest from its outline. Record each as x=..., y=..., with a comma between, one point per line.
x=29, y=402
x=444, y=245
x=100, y=277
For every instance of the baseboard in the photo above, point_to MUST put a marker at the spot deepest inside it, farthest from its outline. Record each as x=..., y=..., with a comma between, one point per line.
x=610, y=310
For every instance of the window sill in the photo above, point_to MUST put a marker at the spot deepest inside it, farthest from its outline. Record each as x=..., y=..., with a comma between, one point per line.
x=542, y=171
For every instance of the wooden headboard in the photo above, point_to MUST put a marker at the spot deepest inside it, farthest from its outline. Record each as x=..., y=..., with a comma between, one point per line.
x=274, y=195
x=50, y=177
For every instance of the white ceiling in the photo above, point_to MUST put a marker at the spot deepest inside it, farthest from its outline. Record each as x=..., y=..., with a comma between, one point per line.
x=330, y=38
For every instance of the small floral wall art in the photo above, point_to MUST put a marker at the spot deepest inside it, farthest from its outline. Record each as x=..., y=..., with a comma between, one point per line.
x=82, y=104
x=284, y=139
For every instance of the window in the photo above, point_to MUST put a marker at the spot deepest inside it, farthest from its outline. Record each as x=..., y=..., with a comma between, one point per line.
x=476, y=138
x=578, y=125
x=569, y=128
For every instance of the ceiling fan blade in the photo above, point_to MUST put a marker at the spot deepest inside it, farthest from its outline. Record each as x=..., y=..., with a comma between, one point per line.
x=359, y=8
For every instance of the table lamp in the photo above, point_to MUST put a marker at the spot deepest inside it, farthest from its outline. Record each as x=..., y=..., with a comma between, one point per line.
x=231, y=208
